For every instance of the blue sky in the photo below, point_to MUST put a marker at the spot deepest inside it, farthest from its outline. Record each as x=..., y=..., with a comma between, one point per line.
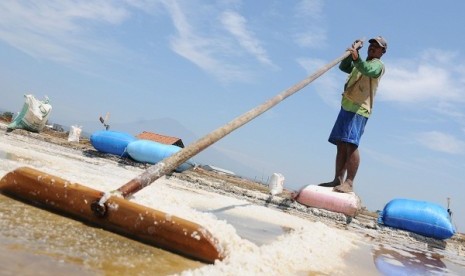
x=203, y=63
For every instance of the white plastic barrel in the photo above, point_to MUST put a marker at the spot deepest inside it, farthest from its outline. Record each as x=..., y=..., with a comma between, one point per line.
x=276, y=184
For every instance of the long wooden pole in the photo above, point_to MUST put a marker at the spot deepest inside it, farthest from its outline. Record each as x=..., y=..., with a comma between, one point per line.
x=170, y=163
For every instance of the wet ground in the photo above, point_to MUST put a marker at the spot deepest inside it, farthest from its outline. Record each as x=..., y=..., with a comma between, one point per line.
x=37, y=242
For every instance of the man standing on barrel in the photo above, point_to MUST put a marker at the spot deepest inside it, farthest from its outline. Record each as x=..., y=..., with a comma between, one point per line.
x=356, y=106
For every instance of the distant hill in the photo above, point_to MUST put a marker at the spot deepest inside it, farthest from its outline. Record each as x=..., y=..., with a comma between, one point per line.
x=164, y=126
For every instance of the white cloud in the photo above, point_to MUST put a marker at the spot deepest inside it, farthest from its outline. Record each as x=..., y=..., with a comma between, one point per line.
x=70, y=32
x=329, y=85
x=313, y=38
x=435, y=55
x=201, y=50
x=450, y=110
x=73, y=33
x=428, y=79
x=441, y=142
x=427, y=83
x=55, y=29
x=145, y=5
x=309, y=14
x=421, y=84
x=309, y=8
x=237, y=26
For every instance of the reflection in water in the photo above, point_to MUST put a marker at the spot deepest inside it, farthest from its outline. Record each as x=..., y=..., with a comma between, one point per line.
x=392, y=261
x=258, y=232
x=249, y=228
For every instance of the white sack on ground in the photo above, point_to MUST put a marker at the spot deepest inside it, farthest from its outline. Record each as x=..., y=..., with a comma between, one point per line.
x=34, y=114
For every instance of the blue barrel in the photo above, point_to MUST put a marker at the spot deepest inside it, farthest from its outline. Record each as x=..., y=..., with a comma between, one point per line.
x=152, y=152
x=112, y=142
x=421, y=217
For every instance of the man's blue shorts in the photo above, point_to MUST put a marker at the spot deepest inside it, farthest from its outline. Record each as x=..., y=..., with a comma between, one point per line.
x=348, y=128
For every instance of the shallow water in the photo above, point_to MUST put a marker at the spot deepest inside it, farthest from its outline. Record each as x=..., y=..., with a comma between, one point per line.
x=258, y=232
x=382, y=259
x=37, y=242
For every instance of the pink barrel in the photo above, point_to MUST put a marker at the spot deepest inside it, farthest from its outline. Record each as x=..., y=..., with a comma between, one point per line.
x=324, y=198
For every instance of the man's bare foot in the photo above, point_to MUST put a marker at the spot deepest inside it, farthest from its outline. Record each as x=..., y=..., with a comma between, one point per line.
x=333, y=183
x=343, y=188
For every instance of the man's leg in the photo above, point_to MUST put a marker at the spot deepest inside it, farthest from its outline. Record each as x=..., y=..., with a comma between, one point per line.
x=352, y=163
x=340, y=168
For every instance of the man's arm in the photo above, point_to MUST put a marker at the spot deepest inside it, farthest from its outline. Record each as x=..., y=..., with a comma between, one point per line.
x=346, y=65
x=372, y=68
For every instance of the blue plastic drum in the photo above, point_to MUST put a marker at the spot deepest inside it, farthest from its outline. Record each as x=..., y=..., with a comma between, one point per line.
x=421, y=217
x=112, y=142
x=152, y=152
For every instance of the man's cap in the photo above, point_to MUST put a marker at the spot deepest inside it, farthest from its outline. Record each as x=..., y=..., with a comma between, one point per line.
x=380, y=40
